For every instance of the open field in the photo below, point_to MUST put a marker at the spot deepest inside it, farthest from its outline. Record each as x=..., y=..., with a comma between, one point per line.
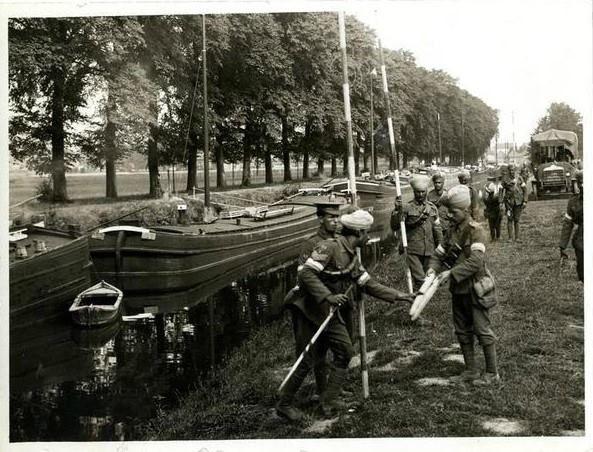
x=539, y=324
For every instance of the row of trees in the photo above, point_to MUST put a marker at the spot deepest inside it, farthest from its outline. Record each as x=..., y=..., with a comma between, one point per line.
x=99, y=88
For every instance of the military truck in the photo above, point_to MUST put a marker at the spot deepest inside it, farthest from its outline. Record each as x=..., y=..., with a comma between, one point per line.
x=553, y=160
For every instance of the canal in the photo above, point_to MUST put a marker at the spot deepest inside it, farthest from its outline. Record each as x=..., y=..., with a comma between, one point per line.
x=73, y=384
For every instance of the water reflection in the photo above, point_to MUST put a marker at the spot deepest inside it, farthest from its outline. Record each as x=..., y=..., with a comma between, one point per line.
x=69, y=384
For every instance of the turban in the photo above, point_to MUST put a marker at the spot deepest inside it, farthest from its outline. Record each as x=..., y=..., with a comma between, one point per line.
x=357, y=221
x=459, y=197
x=419, y=182
x=438, y=176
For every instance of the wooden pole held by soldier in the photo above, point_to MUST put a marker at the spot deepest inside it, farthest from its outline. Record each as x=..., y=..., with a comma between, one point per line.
x=363, y=340
x=404, y=237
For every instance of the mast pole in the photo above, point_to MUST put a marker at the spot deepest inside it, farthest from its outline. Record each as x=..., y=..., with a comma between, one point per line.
x=347, y=114
x=206, y=127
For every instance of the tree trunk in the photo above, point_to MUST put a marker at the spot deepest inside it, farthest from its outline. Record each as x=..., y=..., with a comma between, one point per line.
x=285, y=150
x=268, y=165
x=376, y=162
x=220, y=174
x=334, y=167
x=246, y=176
x=357, y=161
x=58, y=171
x=110, y=149
x=153, y=163
x=192, y=167
x=320, y=170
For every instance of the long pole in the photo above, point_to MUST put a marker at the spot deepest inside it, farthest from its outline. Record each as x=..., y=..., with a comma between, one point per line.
x=206, y=131
x=440, y=144
x=514, y=144
x=496, y=148
x=388, y=104
x=372, y=121
x=462, y=139
x=402, y=228
x=364, y=368
x=347, y=115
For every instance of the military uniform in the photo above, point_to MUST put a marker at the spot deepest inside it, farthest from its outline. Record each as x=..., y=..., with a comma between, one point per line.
x=464, y=250
x=439, y=202
x=515, y=200
x=572, y=217
x=493, y=210
x=424, y=234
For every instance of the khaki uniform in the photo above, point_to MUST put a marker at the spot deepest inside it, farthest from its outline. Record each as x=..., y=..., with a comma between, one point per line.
x=438, y=201
x=424, y=234
x=493, y=210
x=469, y=317
x=574, y=217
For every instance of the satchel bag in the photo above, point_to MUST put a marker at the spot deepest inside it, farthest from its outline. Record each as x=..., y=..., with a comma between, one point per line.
x=485, y=289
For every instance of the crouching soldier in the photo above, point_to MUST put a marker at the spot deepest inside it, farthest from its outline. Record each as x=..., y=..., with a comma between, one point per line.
x=325, y=279
x=574, y=217
x=463, y=252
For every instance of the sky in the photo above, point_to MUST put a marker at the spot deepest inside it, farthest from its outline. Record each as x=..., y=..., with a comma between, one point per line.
x=518, y=56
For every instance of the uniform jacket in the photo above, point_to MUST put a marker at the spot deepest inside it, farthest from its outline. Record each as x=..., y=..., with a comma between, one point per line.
x=572, y=217
x=331, y=269
x=423, y=226
x=438, y=201
x=493, y=199
x=470, y=236
x=515, y=195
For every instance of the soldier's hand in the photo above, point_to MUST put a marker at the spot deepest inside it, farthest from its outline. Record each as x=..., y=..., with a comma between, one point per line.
x=445, y=275
x=563, y=254
x=337, y=300
x=406, y=297
x=430, y=272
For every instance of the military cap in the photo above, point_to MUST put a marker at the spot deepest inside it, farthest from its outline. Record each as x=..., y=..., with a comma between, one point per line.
x=419, y=182
x=459, y=197
x=328, y=208
x=358, y=220
x=438, y=176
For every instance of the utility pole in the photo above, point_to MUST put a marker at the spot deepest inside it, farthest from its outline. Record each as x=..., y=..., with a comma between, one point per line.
x=372, y=121
x=514, y=144
x=439, y=137
x=496, y=148
x=462, y=139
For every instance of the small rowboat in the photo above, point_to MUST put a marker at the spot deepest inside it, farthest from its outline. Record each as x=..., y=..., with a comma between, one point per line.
x=98, y=305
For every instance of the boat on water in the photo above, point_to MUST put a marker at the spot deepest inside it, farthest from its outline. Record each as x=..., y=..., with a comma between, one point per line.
x=172, y=258
x=97, y=305
x=48, y=268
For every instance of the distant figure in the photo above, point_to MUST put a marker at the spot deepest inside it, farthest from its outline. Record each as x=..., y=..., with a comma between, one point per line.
x=493, y=211
x=438, y=196
x=515, y=201
x=574, y=217
x=464, y=178
x=423, y=228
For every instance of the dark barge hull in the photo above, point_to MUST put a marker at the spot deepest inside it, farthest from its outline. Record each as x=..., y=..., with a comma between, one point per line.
x=44, y=285
x=178, y=258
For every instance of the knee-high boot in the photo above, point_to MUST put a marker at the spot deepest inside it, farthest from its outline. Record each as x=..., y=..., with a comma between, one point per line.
x=285, y=407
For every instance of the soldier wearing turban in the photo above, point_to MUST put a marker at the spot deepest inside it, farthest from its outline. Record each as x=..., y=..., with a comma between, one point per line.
x=463, y=252
x=423, y=228
x=324, y=279
x=574, y=217
x=464, y=178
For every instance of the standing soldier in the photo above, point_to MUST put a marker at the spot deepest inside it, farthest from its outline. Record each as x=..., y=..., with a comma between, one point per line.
x=327, y=213
x=493, y=210
x=464, y=251
x=438, y=196
x=515, y=201
x=324, y=279
x=572, y=217
x=464, y=178
x=423, y=228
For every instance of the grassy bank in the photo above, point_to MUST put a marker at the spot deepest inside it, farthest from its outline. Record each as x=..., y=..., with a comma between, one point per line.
x=538, y=322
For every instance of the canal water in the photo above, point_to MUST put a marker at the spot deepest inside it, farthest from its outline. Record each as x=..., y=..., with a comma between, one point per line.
x=73, y=384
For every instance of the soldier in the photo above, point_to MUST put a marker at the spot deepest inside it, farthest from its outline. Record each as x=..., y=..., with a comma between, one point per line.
x=327, y=213
x=464, y=251
x=464, y=178
x=325, y=278
x=438, y=196
x=493, y=211
x=572, y=217
x=515, y=201
x=423, y=228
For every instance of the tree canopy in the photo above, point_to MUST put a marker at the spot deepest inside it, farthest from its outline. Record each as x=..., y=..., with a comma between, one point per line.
x=96, y=88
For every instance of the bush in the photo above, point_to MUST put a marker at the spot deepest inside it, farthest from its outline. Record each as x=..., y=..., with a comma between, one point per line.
x=45, y=189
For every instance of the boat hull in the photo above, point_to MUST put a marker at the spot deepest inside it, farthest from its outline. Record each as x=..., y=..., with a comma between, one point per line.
x=44, y=285
x=178, y=258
